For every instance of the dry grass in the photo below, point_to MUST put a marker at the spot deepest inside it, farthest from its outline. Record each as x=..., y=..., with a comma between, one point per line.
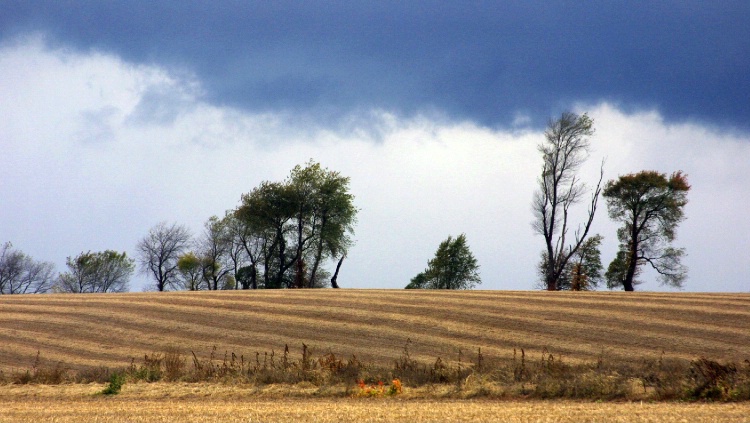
x=218, y=403
x=110, y=329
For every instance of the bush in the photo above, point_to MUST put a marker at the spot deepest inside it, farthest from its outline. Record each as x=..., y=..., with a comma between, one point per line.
x=116, y=380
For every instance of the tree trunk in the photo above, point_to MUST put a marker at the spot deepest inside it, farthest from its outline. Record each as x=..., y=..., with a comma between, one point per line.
x=334, y=284
x=319, y=252
x=550, y=272
x=299, y=275
x=551, y=283
x=628, y=282
x=254, y=277
x=318, y=256
x=282, y=255
x=632, y=263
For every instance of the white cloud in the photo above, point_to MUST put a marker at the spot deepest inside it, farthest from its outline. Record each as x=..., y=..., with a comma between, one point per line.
x=96, y=151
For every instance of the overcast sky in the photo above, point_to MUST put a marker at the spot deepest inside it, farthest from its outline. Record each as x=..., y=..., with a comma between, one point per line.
x=118, y=115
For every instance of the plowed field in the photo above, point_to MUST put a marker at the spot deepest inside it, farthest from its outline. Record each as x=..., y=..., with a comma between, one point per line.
x=110, y=329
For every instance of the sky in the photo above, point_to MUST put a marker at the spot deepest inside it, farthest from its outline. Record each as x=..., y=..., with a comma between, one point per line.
x=119, y=115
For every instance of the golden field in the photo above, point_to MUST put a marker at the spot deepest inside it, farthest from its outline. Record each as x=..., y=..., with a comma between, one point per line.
x=111, y=329
x=232, y=404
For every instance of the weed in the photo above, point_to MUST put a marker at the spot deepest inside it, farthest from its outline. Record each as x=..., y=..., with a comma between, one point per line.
x=467, y=375
x=42, y=374
x=116, y=380
x=174, y=364
x=710, y=379
x=379, y=389
x=149, y=371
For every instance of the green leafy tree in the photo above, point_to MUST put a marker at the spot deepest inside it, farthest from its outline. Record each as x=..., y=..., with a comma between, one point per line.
x=105, y=271
x=649, y=205
x=453, y=267
x=290, y=229
x=247, y=277
x=586, y=265
x=330, y=215
x=191, y=272
x=236, y=254
x=564, y=150
x=583, y=271
x=419, y=282
x=269, y=210
x=251, y=237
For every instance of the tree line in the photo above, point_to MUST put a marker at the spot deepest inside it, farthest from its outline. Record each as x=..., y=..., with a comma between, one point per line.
x=281, y=235
x=106, y=271
x=285, y=234
x=648, y=205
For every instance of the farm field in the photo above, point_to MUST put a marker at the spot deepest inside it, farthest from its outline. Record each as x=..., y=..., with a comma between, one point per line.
x=160, y=403
x=112, y=329
x=116, y=331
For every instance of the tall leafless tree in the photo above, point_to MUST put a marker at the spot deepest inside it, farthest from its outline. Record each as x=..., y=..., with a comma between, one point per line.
x=159, y=251
x=565, y=148
x=213, y=248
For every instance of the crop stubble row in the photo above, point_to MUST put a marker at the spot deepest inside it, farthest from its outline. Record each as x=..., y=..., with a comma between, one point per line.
x=373, y=324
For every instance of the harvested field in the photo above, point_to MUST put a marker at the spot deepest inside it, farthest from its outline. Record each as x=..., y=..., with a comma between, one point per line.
x=167, y=403
x=111, y=329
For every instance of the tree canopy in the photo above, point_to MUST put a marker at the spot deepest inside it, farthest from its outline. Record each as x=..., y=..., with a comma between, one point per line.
x=649, y=205
x=21, y=274
x=453, y=267
x=105, y=271
x=282, y=233
x=583, y=271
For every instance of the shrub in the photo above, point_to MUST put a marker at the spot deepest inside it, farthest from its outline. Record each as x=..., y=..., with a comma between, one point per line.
x=116, y=380
x=174, y=364
x=711, y=380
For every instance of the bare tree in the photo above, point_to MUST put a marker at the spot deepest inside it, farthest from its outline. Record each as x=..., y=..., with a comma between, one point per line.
x=21, y=274
x=213, y=248
x=159, y=251
x=249, y=244
x=105, y=271
x=565, y=149
x=239, y=250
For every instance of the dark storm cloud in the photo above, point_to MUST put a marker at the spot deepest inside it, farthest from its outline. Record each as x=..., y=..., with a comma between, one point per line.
x=484, y=61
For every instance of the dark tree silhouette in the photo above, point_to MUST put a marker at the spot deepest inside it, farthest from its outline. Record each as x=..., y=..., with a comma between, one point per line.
x=650, y=206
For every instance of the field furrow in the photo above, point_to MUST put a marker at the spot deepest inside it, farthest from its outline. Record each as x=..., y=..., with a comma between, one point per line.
x=374, y=325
